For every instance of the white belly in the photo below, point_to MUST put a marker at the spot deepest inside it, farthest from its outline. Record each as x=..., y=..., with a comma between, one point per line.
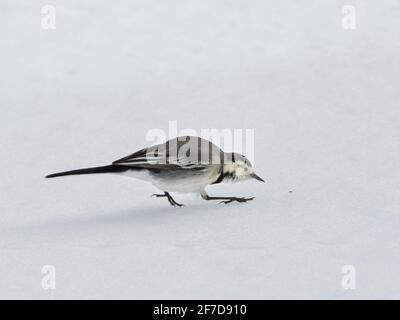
x=186, y=184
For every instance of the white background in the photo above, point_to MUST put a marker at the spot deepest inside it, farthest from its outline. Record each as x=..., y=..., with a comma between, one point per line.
x=324, y=104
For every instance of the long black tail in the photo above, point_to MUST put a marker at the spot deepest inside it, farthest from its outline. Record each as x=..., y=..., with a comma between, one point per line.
x=104, y=169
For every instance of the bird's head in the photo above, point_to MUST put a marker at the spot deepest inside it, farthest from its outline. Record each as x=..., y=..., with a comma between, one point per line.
x=238, y=167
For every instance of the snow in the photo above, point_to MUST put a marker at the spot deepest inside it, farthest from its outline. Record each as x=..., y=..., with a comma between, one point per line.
x=323, y=102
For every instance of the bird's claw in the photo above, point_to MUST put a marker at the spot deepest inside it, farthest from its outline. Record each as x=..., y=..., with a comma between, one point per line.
x=158, y=195
x=170, y=199
x=237, y=199
x=174, y=203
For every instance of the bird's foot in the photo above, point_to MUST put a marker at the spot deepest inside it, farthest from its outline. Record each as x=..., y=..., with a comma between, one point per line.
x=170, y=199
x=158, y=195
x=242, y=199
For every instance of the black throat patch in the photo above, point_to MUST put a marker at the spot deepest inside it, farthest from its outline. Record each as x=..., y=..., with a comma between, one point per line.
x=222, y=176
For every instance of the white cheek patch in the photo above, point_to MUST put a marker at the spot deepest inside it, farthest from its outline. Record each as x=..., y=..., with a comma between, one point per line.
x=240, y=172
x=237, y=171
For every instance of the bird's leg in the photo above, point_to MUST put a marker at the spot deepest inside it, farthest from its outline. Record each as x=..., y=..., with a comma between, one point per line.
x=170, y=199
x=225, y=200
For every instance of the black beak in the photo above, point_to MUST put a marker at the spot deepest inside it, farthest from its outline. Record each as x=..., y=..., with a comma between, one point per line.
x=253, y=175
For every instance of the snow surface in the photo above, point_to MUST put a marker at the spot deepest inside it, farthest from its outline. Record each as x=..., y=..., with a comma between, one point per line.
x=324, y=103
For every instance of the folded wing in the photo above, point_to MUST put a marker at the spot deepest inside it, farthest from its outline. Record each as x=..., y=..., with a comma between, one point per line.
x=179, y=153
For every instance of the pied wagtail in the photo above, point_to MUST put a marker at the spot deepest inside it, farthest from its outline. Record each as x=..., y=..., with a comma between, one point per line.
x=184, y=164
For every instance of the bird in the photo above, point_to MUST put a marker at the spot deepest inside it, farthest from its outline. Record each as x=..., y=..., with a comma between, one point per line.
x=185, y=164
